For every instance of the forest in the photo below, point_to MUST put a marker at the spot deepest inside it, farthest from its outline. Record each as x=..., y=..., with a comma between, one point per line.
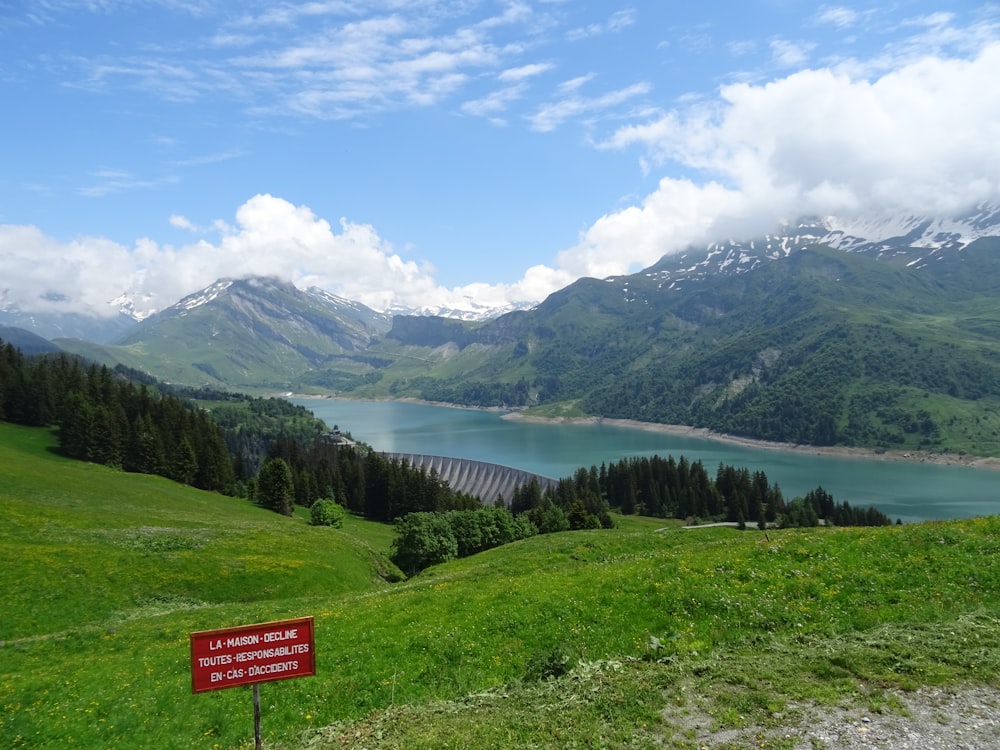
x=279, y=455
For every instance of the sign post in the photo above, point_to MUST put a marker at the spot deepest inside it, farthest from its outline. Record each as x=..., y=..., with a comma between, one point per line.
x=251, y=654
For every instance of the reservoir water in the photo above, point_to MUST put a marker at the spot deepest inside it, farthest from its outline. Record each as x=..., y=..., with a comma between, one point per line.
x=909, y=491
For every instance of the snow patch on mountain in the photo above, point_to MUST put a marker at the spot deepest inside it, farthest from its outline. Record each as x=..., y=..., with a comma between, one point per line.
x=204, y=296
x=911, y=239
x=468, y=309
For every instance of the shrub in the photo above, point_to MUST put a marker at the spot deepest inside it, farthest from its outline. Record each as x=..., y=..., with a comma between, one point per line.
x=423, y=539
x=327, y=513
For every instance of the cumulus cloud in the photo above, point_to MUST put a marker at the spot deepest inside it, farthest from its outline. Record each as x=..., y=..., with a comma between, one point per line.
x=906, y=132
x=918, y=139
x=271, y=237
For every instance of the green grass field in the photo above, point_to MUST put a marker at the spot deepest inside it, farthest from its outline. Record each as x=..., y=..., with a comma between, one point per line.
x=106, y=574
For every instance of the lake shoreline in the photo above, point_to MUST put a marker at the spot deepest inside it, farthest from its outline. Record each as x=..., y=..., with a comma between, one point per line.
x=907, y=456
x=911, y=456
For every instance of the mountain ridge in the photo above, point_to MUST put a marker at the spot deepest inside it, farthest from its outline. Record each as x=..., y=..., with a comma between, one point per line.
x=878, y=234
x=881, y=342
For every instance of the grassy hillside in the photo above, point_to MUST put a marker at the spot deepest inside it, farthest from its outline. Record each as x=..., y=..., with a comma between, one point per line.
x=106, y=574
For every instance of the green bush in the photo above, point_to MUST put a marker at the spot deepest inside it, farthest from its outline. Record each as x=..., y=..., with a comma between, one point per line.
x=327, y=513
x=423, y=539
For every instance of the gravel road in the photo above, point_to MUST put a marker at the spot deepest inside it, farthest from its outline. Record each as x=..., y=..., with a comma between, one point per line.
x=962, y=718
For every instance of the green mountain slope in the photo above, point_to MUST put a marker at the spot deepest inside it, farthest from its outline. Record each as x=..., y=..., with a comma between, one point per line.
x=819, y=347
x=823, y=347
x=105, y=576
x=255, y=333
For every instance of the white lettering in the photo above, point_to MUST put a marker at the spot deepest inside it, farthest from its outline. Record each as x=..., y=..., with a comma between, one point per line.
x=251, y=639
x=215, y=661
x=276, y=668
x=270, y=653
x=281, y=635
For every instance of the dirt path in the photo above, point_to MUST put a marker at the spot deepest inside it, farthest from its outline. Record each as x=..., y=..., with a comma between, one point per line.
x=931, y=718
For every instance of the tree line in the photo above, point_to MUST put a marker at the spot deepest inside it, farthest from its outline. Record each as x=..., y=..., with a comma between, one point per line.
x=268, y=450
x=651, y=486
x=105, y=417
x=682, y=489
x=279, y=455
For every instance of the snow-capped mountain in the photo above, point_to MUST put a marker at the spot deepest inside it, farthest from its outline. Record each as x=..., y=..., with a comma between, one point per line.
x=908, y=240
x=468, y=310
x=892, y=234
x=266, y=304
x=911, y=240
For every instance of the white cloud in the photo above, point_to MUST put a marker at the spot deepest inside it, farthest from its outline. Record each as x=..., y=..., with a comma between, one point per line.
x=839, y=16
x=108, y=181
x=573, y=84
x=790, y=54
x=270, y=237
x=618, y=21
x=494, y=103
x=741, y=48
x=933, y=20
x=56, y=277
x=525, y=71
x=327, y=60
x=182, y=222
x=919, y=139
x=552, y=115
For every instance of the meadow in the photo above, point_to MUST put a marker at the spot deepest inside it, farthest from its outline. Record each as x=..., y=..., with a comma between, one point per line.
x=646, y=635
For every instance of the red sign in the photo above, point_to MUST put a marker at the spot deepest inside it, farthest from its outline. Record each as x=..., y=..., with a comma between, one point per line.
x=254, y=653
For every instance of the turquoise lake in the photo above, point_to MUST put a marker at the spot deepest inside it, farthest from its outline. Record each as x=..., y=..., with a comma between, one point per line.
x=909, y=491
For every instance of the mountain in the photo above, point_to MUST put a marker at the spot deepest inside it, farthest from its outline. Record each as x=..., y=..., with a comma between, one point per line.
x=881, y=332
x=910, y=241
x=66, y=325
x=26, y=341
x=123, y=314
x=468, y=309
x=254, y=332
x=816, y=335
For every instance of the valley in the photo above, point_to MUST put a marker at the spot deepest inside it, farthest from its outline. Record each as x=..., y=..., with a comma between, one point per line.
x=816, y=338
x=907, y=488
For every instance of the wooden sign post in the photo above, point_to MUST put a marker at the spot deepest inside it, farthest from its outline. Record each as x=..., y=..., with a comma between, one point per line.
x=251, y=654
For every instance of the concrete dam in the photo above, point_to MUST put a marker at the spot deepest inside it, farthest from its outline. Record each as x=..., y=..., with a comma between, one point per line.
x=484, y=480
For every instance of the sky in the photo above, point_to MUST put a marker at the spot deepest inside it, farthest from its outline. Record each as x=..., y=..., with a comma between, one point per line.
x=404, y=153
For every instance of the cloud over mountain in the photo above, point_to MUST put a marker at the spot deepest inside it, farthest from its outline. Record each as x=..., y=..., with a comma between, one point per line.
x=904, y=126
x=918, y=139
x=270, y=237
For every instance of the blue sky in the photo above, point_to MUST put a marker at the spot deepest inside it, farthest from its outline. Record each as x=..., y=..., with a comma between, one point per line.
x=408, y=152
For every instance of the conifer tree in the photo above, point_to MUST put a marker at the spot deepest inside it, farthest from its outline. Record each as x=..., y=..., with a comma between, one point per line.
x=275, y=487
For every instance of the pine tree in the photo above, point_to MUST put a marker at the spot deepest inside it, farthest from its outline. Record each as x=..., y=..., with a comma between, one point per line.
x=275, y=487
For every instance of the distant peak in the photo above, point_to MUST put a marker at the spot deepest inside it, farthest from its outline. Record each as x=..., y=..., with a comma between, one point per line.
x=904, y=238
